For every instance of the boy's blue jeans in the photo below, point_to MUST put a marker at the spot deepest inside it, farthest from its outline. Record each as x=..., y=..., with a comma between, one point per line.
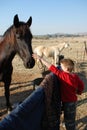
x=69, y=115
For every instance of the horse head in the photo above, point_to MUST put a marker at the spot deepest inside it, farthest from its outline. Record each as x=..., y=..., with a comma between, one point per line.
x=23, y=41
x=66, y=45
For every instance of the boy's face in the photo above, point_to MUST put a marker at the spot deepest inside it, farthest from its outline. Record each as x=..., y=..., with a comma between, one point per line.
x=63, y=67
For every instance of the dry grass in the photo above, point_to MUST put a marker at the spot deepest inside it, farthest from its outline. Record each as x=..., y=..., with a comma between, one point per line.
x=22, y=78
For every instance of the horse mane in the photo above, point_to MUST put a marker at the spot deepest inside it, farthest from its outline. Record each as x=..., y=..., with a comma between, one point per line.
x=7, y=31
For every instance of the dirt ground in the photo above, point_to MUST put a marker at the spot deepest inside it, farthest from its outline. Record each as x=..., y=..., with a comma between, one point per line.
x=22, y=79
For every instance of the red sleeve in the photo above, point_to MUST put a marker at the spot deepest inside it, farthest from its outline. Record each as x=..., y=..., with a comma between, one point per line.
x=60, y=74
x=54, y=69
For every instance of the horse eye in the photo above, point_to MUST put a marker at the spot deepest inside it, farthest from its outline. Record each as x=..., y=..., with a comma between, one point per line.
x=18, y=36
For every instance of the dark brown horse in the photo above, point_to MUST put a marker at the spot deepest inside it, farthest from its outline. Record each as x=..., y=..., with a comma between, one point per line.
x=16, y=40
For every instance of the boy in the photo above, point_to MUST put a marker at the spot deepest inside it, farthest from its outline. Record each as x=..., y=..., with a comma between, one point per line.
x=71, y=85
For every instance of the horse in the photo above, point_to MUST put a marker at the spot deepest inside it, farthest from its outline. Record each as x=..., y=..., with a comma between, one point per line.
x=51, y=51
x=17, y=39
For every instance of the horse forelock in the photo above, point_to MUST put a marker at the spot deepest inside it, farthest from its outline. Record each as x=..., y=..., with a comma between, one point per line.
x=25, y=30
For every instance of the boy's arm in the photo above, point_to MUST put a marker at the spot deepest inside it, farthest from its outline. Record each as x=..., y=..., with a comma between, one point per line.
x=51, y=67
x=46, y=63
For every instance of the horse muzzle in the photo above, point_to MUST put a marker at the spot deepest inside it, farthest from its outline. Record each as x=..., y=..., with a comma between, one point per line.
x=30, y=64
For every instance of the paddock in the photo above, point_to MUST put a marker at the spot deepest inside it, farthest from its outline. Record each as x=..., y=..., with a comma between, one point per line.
x=21, y=85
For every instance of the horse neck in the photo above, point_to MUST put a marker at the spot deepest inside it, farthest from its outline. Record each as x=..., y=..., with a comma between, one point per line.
x=61, y=49
x=7, y=49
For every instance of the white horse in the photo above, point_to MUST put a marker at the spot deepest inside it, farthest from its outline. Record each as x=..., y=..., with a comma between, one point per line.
x=51, y=51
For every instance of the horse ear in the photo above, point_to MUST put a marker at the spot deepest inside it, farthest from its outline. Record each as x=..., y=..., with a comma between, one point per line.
x=29, y=22
x=16, y=21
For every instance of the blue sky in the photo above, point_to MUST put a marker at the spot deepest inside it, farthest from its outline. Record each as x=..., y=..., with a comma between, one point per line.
x=49, y=16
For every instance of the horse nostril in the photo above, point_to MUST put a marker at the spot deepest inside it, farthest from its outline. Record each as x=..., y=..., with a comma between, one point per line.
x=30, y=64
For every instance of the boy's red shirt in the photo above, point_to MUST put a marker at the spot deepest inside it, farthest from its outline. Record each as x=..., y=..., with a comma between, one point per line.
x=71, y=84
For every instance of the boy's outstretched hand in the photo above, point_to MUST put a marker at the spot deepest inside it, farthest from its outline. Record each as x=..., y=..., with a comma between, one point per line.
x=35, y=56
